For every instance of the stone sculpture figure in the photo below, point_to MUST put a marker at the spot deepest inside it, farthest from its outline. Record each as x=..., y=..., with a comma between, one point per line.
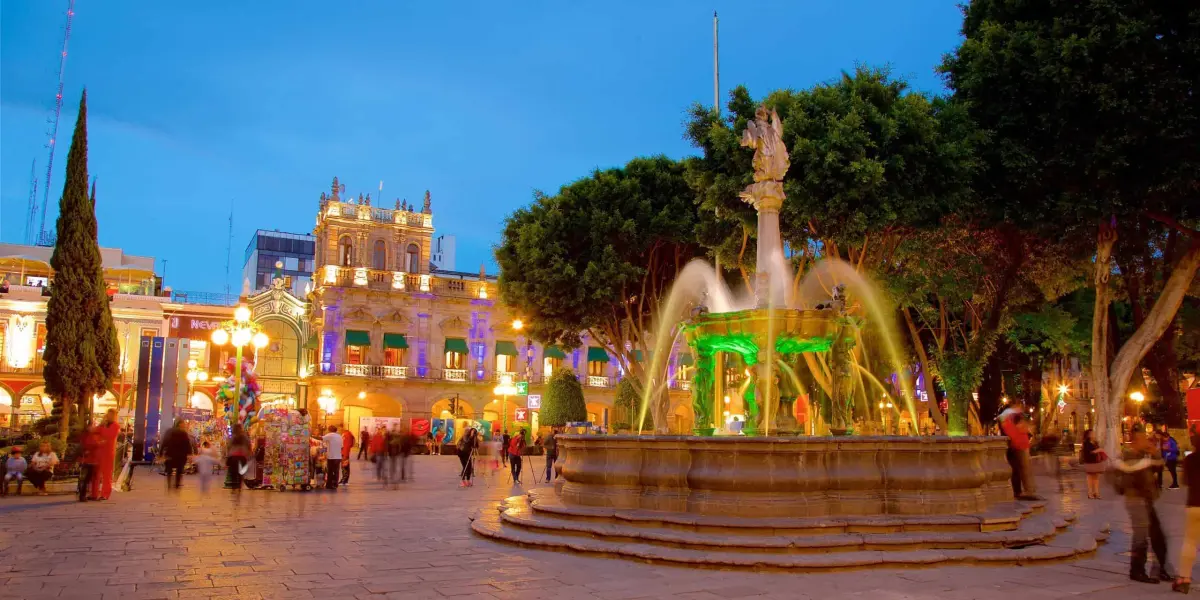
x=702, y=394
x=428, y=208
x=765, y=135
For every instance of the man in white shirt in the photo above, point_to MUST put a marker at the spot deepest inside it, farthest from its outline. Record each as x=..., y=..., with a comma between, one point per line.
x=333, y=457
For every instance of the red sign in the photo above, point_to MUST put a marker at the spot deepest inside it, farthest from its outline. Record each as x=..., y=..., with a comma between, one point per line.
x=420, y=427
x=520, y=414
x=1193, y=409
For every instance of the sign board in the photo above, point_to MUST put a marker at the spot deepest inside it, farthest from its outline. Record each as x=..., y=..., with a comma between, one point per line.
x=196, y=328
x=534, y=402
x=522, y=388
x=521, y=414
x=579, y=424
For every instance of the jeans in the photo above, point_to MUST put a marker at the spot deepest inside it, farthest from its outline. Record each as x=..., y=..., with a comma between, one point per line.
x=515, y=461
x=550, y=458
x=86, y=473
x=333, y=467
x=346, y=471
x=362, y=450
x=381, y=467
x=234, y=464
x=1171, y=466
x=406, y=471
x=20, y=477
x=1022, y=474
x=176, y=465
x=1147, y=532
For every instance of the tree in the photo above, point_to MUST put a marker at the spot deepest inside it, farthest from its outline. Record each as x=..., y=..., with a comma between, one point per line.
x=79, y=360
x=600, y=257
x=564, y=400
x=1093, y=120
x=627, y=407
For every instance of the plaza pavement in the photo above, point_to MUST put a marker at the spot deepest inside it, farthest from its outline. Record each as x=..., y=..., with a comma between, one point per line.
x=415, y=543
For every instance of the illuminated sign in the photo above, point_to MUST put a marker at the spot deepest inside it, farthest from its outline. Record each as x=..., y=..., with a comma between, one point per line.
x=534, y=402
x=521, y=414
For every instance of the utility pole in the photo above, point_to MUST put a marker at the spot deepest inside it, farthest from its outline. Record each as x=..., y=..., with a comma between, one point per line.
x=716, y=69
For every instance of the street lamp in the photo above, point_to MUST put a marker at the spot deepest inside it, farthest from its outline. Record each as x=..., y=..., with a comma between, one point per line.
x=505, y=389
x=240, y=331
x=328, y=404
x=1137, y=397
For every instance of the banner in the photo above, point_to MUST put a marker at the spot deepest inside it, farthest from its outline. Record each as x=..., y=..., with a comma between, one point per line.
x=420, y=427
x=1193, y=408
x=170, y=380
x=371, y=424
x=154, y=397
x=143, y=388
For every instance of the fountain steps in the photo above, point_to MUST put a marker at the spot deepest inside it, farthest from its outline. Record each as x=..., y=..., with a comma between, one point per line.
x=1037, y=536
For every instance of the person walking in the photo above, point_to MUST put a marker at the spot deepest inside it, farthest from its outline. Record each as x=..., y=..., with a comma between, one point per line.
x=550, y=444
x=466, y=455
x=1191, y=529
x=41, y=467
x=177, y=446
x=236, y=456
x=505, y=440
x=1135, y=480
x=206, y=459
x=364, y=440
x=89, y=444
x=515, y=448
x=15, y=467
x=333, y=457
x=393, y=445
x=1093, y=461
x=379, y=453
x=1170, y=454
x=408, y=443
x=1016, y=427
x=347, y=450
x=106, y=455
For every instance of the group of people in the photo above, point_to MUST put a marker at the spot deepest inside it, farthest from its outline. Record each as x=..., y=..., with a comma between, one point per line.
x=98, y=449
x=389, y=449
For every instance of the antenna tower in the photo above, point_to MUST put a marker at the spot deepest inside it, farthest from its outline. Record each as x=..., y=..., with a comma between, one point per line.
x=31, y=213
x=44, y=237
x=228, y=249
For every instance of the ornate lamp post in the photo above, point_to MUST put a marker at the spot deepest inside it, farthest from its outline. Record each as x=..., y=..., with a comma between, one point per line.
x=328, y=404
x=505, y=389
x=240, y=332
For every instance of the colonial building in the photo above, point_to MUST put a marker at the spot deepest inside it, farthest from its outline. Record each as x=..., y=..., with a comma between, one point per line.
x=398, y=338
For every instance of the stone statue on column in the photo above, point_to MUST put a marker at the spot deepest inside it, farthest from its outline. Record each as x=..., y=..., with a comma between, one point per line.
x=771, y=162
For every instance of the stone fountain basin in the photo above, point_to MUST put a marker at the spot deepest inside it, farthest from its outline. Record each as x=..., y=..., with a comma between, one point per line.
x=785, y=477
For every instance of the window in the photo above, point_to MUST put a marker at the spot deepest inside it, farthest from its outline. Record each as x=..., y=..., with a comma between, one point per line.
x=550, y=364
x=506, y=363
x=379, y=260
x=393, y=357
x=291, y=263
x=355, y=355
x=596, y=368
x=454, y=360
x=414, y=259
x=346, y=252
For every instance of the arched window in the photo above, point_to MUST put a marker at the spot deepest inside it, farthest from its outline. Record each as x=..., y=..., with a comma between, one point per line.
x=346, y=252
x=379, y=260
x=414, y=259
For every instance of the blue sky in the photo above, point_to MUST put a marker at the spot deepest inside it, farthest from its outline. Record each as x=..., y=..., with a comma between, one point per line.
x=197, y=106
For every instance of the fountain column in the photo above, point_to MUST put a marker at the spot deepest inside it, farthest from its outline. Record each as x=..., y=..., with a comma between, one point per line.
x=767, y=204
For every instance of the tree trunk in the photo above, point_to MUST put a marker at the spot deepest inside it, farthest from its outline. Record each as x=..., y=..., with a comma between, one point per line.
x=1135, y=348
x=1107, y=417
x=930, y=389
x=64, y=422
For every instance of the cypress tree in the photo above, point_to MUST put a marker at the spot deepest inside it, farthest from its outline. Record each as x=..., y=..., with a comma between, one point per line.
x=564, y=400
x=108, y=348
x=73, y=370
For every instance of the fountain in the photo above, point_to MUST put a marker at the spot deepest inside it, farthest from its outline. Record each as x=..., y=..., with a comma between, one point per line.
x=733, y=493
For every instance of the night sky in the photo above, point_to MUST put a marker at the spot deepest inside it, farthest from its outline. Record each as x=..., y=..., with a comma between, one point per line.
x=195, y=107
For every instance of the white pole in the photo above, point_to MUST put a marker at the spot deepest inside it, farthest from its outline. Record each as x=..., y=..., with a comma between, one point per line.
x=716, y=69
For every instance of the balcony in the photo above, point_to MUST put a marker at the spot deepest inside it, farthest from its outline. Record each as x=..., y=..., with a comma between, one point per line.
x=598, y=381
x=455, y=374
x=376, y=371
x=34, y=367
x=362, y=212
x=390, y=372
x=374, y=279
x=357, y=370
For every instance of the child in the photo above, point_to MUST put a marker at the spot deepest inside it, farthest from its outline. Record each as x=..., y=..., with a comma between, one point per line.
x=41, y=467
x=206, y=461
x=14, y=468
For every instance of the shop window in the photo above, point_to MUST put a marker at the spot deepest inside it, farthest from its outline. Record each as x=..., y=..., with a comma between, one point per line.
x=596, y=368
x=455, y=360
x=346, y=252
x=41, y=338
x=414, y=259
x=393, y=357
x=355, y=355
x=379, y=256
x=550, y=364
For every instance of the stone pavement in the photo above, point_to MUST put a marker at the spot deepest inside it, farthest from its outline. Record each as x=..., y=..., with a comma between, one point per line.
x=415, y=543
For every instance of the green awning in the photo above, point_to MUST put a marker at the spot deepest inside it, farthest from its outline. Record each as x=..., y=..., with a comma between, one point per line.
x=395, y=340
x=685, y=359
x=357, y=338
x=597, y=355
x=554, y=352
x=458, y=345
x=312, y=344
x=506, y=348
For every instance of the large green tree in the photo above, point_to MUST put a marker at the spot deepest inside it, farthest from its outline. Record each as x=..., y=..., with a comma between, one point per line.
x=80, y=353
x=1093, y=120
x=599, y=258
x=564, y=400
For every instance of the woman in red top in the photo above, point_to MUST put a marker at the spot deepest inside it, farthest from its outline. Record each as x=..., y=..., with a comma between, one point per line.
x=89, y=443
x=105, y=456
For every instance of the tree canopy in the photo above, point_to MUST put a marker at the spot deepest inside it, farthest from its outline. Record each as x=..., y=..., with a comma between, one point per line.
x=80, y=355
